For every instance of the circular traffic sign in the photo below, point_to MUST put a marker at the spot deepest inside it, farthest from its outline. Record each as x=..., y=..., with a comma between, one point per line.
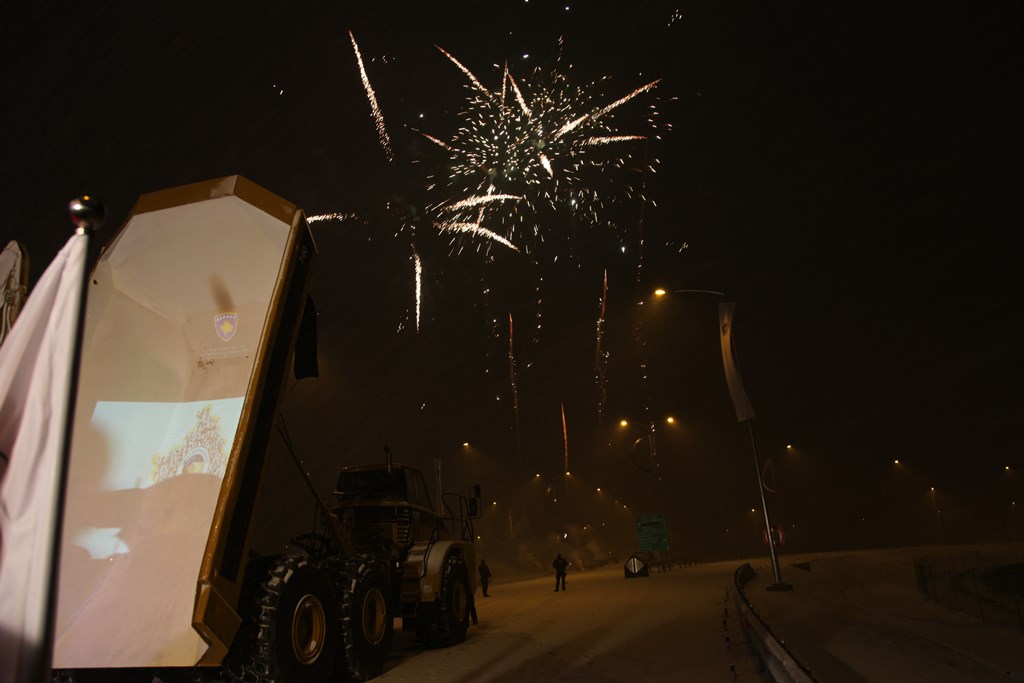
x=780, y=536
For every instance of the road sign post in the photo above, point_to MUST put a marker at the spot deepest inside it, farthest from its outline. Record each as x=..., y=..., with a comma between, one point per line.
x=651, y=532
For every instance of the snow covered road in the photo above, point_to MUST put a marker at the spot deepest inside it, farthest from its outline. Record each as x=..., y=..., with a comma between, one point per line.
x=665, y=627
x=857, y=616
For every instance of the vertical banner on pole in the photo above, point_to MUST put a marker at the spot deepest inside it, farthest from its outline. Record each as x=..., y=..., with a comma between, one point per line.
x=732, y=371
x=36, y=375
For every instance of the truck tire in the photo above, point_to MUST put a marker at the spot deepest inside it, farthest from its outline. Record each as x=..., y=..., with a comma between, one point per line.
x=297, y=621
x=446, y=624
x=367, y=617
x=240, y=659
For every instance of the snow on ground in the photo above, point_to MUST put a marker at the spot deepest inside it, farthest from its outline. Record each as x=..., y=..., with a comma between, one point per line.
x=665, y=627
x=858, y=616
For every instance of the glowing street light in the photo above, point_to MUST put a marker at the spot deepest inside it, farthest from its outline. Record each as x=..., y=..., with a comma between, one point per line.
x=649, y=429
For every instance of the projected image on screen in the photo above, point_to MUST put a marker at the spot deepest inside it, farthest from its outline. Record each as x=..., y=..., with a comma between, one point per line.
x=151, y=442
x=141, y=502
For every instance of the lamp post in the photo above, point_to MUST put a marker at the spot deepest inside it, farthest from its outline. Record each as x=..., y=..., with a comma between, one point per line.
x=768, y=467
x=649, y=429
x=656, y=520
x=743, y=413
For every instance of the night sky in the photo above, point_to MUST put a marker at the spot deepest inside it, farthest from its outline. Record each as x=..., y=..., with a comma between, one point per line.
x=849, y=176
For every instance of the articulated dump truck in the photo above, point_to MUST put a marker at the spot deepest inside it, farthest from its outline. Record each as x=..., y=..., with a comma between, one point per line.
x=197, y=312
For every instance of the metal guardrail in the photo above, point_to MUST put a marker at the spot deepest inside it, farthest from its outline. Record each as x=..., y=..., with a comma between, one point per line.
x=781, y=664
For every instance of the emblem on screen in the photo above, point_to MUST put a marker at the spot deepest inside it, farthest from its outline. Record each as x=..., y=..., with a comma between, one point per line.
x=226, y=324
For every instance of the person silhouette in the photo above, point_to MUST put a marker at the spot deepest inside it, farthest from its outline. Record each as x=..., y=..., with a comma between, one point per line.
x=560, y=565
x=485, y=576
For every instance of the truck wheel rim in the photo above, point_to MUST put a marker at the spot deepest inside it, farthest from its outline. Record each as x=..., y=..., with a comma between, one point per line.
x=459, y=602
x=309, y=625
x=374, y=617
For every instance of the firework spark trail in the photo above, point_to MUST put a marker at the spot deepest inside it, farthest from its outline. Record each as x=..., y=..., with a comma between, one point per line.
x=608, y=139
x=546, y=163
x=378, y=117
x=627, y=98
x=490, y=322
x=477, y=84
x=639, y=301
x=573, y=125
x=515, y=389
x=440, y=143
x=504, y=88
x=475, y=229
x=518, y=93
x=482, y=199
x=331, y=217
x=538, y=315
x=599, y=364
x=419, y=284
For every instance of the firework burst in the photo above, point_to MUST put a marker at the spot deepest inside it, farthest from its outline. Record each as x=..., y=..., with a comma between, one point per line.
x=529, y=163
x=543, y=146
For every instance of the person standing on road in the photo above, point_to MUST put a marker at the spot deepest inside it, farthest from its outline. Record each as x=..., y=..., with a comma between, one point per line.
x=485, y=576
x=561, y=565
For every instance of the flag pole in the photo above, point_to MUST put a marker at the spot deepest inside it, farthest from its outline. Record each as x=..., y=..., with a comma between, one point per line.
x=88, y=214
x=734, y=379
x=779, y=584
x=744, y=412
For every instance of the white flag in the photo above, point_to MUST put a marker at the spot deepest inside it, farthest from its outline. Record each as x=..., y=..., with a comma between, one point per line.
x=732, y=371
x=35, y=378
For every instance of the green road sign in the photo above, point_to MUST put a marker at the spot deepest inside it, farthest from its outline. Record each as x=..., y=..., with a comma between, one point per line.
x=652, y=532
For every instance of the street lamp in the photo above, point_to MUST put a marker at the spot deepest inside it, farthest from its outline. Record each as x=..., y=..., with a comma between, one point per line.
x=768, y=467
x=744, y=412
x=652, y=444
x=552, y=485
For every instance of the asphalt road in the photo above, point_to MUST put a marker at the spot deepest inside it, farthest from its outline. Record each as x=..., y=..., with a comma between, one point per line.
x=604, y=627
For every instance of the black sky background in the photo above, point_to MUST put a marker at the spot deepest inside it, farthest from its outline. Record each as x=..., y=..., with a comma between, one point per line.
x=848, y=175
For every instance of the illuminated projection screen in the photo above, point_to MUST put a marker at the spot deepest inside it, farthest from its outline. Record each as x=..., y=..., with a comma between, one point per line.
x=176, y=311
